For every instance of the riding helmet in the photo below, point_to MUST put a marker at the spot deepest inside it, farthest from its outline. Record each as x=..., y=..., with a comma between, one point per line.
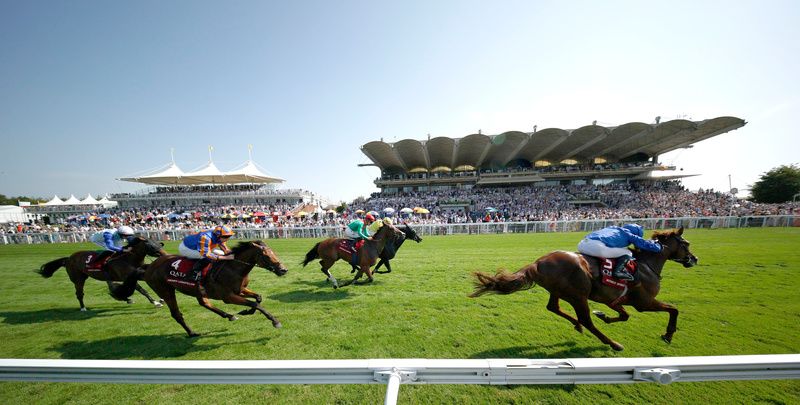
x=223, y=230
x=635, y=229
x=125, y=230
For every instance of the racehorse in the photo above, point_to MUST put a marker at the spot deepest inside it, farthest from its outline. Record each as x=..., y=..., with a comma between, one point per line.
x=575, y=278
x=328, y=252
x=116, y=268
x=227, y=281
x=389, y=251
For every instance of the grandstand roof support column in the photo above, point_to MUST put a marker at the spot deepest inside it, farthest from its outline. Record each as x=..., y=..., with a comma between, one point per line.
x=483, y=155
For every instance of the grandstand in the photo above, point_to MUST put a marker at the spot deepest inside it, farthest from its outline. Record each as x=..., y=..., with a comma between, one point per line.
x=592, y=154
x=208, y=186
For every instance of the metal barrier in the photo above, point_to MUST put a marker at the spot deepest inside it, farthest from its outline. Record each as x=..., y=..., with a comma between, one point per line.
x=393, y=372
x=320, y=232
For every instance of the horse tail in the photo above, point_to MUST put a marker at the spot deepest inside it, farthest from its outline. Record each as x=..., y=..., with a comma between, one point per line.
x=126, y=289
x=311, y=255
x=504, y=282
x=49, y=268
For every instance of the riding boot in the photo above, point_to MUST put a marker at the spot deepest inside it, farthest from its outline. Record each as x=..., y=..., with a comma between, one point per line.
x=197, y=275
x=620, y=270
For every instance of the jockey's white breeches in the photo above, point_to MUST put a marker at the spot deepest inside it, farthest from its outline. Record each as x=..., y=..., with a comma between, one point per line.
x=596, y=248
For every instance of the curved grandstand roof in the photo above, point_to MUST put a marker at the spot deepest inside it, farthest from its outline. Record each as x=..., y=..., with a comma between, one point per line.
x=552, y=145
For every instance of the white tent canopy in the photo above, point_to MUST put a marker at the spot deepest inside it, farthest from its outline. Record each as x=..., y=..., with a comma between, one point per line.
x=89, y=200
x=248, y=172
x=171, y=175
x=72, y=200
x=55, y=201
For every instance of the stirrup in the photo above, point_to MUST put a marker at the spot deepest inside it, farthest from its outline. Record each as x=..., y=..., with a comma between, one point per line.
x=623, y=275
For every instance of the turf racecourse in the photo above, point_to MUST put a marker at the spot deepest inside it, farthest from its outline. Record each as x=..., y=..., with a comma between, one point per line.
x=742, y=298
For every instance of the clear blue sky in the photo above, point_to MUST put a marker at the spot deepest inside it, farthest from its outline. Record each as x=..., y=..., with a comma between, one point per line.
x=95, y=90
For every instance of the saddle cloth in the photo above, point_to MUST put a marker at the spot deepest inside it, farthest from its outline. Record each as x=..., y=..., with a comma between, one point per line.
x=350, y=246
x=180, y=267
x=93, y=265
x=607, y=265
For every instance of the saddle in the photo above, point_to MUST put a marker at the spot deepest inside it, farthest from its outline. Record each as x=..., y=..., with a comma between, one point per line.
x=607, y=265
x=178, y=276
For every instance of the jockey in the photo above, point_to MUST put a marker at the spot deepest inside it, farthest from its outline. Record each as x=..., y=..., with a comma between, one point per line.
x=111, y=240
x=207, y=246
x=356, y=230
x=613, y=241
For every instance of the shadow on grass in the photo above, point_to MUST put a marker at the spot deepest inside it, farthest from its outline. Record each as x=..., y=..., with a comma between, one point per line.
x=569, y=349
x=312, y=295
x=58, y=314
x=148, y=347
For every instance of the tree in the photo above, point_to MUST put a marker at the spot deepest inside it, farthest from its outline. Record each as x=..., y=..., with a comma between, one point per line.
x=15, y=200
x=777, y=185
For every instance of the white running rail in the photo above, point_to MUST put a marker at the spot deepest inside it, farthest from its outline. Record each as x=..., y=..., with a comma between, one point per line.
x=394, y=372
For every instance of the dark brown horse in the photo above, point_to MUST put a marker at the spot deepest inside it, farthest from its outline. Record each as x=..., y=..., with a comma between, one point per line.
x=328, y=252
x=117, y=268
x=390, y=250
x=227, y=281
x=575, y=278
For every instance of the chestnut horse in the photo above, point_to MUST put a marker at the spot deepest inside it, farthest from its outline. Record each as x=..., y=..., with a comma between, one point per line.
x=328, y=252
x=227, y=281
x=576, y=279
x=117, y=268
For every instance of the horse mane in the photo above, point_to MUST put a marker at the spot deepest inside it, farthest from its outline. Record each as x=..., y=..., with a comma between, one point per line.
x=244, y=245
x=661, y=235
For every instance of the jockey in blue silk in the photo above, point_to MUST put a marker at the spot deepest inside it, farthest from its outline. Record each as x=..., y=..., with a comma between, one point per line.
x=207, y=246
x=613, y=241
x=111, y=240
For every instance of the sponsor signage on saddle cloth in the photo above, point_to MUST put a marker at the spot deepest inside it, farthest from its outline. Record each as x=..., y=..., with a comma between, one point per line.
x=605, y=269
x=91, y=265
x=180, y=269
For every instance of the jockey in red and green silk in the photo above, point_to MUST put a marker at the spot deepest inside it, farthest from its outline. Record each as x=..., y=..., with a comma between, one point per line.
x=613, y=241
x=357, y=229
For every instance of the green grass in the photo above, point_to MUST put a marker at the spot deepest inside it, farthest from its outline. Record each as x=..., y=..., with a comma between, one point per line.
x=742, y=298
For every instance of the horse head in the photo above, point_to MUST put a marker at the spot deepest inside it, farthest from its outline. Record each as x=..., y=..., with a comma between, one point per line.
x=678, y=248
x=410, y=233
x=149, y=247
x=264, y=256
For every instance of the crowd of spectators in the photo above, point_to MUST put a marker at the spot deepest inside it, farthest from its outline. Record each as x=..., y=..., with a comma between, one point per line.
x=627, y=201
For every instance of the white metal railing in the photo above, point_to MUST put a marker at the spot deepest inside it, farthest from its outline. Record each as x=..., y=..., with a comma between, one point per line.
x=393, y=372
x=438, y=229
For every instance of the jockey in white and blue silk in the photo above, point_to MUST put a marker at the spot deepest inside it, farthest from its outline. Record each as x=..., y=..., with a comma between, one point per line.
x=613, y=241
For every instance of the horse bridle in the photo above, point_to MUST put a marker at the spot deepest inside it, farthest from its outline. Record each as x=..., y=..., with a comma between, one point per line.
x=688, y=258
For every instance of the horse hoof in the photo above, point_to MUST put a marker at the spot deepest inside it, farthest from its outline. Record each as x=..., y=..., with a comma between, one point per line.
x=666, y=338
x=194, y=335
x=616, y=346
x=157, y=304
x=599, y=314
x=161, y=300
x=277, y=325
x=84, y=309
x=232, y=318
x=129, y=302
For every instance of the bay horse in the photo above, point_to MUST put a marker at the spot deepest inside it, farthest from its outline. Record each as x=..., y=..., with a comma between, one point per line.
x=227, y=281
x=328, y=252
x=576, y=279
x=390, y=250
x=116, y=268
